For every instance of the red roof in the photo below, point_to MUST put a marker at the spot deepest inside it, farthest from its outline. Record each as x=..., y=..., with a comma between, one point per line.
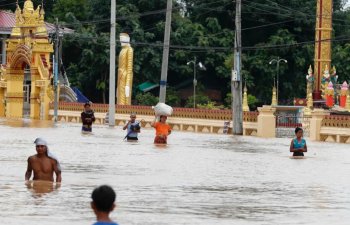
x=8, y=21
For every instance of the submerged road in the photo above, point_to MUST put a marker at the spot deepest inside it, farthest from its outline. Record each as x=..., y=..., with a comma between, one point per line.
x=197, y=179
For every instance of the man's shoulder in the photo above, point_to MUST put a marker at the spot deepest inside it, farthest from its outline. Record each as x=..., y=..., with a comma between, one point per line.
x=32, y=157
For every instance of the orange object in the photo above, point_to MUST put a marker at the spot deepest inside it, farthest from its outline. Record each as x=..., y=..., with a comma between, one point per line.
x=329, y=100
x=162, y=129
x=342, y=101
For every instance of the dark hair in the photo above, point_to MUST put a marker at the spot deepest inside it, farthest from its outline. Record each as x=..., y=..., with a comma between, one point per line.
x=87, y=103
x=162, y=116
x=298, y=129
x=103, y=198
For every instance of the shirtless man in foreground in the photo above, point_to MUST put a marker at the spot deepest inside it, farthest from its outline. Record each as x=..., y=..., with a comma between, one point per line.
x=43, y=164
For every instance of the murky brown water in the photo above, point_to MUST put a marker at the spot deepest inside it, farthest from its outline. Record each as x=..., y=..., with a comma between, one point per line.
x=196, y=179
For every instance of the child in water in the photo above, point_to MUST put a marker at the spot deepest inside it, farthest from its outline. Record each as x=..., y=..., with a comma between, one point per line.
x=103, y=198
x=298, y=144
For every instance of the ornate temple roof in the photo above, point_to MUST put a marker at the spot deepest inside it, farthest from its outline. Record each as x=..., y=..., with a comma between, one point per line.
x=8, y=21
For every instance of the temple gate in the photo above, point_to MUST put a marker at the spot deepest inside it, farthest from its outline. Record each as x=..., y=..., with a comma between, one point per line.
x=25, y=87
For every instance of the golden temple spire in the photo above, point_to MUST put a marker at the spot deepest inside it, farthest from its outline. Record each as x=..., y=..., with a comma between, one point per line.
x=274, y=97
x=245, y=99
x=310, y=70
x=28, y=6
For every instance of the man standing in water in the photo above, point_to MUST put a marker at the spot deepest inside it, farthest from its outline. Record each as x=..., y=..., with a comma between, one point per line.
x=43, y=164
x=133, y=128
x=87, y=118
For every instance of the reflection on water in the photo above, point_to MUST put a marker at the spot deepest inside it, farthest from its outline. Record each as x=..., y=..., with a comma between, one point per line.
x=39, y=188
x=196, y=179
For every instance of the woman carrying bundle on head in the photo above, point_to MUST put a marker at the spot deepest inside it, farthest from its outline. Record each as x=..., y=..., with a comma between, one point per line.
x=162, y=128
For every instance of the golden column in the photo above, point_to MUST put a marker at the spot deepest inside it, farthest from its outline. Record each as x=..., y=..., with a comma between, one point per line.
x=125, y=71
x=323, y=37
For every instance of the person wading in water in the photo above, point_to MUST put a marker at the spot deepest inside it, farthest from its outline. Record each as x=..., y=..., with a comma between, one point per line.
x=298, y=144
x=162, y=130
x=133, y=128
x=87, y=118
x=43, y=164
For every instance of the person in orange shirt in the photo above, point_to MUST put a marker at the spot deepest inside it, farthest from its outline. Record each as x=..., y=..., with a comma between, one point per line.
x=162, y=130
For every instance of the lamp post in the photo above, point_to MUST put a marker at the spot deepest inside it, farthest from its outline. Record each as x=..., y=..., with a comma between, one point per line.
x=201, y=66
x=278, y=60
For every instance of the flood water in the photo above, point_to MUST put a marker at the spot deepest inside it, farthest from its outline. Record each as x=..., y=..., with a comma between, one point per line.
x=197, y=179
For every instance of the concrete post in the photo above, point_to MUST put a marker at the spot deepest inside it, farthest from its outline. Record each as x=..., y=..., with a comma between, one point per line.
x=317, y=116
x=266, y=122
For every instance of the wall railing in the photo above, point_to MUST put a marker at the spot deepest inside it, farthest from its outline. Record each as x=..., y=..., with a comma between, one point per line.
x=147, y=110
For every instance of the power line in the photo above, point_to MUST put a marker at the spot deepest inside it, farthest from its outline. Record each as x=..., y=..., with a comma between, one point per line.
x=13, y=3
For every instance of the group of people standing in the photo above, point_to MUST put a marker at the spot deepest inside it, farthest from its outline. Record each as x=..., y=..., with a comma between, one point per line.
x=132, y=127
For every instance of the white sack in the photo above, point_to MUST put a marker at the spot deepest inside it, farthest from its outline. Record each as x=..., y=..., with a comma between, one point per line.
x=162, y=109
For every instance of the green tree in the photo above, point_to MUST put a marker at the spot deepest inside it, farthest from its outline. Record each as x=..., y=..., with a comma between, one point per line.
x=146, y=99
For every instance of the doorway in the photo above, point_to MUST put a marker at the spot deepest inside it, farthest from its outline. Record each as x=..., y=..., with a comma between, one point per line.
x=26, y=92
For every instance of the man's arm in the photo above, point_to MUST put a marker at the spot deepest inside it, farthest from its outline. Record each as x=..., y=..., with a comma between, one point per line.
x=57, y=172
x=93, y=117
x=126, y=125
x=82, y=117
x=29, y=169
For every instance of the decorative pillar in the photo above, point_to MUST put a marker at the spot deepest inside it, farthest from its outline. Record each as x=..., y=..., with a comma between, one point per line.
x=274, y=97
x=323, y=37
x=3, y=51
x=266, y=122
x=343, y=93
x=330, y=95
x=245, y=100
x=347, y=105
x=309, y=87
x=317, y=116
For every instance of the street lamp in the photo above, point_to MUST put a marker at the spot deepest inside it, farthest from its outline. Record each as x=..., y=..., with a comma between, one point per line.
x=202, y=67
x=278, y=60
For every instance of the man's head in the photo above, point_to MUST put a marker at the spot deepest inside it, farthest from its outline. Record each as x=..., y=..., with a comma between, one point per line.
x=103, y=198
x=133, y=117
x=87, y=106
x=40, y=145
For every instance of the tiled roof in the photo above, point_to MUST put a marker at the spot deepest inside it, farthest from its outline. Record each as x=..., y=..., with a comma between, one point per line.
x=8, y=21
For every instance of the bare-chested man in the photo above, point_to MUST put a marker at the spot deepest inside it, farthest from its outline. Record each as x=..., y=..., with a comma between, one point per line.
x=43, y=163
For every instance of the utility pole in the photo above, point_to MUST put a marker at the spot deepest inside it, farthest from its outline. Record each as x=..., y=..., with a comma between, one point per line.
x=55, y=75
x=194, y=82
x=236, y=84
x=164, y=75
x=111, y=114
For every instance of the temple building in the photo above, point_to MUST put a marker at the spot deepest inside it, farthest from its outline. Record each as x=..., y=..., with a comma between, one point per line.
x=26, y=74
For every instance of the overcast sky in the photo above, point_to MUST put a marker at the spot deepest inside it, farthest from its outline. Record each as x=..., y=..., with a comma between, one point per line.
x=347, y=4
